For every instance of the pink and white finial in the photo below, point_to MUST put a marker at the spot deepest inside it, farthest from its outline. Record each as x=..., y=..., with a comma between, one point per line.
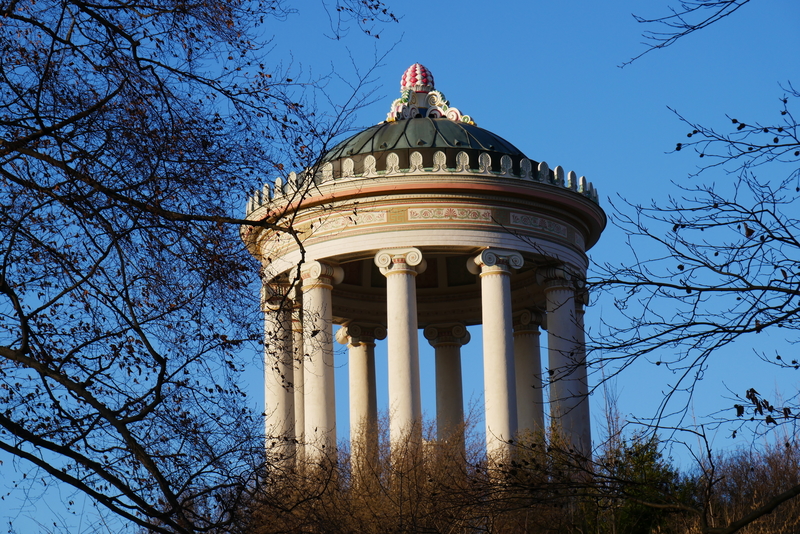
x=419, y=98
x=417, y=78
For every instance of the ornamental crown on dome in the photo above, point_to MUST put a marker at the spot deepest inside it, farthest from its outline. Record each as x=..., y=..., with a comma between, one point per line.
x=417, y=78
x=421, y=99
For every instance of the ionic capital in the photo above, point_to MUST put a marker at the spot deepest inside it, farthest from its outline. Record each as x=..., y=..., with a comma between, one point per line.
x=318, y=273
x=275, y=295
x=356, y=334
x=530, y=321
x=446, y=334
x=495, y=261
x=400, y=260
x=558, y=278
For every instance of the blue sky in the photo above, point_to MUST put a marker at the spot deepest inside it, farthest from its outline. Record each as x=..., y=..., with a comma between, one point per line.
x=545, y=76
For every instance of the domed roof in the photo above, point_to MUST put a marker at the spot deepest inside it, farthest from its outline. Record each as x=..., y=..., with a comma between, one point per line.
x=422, y=133
x=422, y=119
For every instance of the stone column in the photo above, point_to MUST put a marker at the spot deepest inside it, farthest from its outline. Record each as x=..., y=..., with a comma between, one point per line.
x=566, y=391
x=528, y=371
x=320, y=400
x=299, y=378
x=400, y=266
x=278, y=372
x=447, y=340
x=494, y=266
x=584, y=415
x=360, y=341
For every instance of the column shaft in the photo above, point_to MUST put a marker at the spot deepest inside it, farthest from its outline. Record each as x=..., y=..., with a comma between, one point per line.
x=528, y=370
x=363, y=399
x=449, y=394
x=360, y=341
x=320, y=398
x=498, y=349
x=405, y=409
x=278, y=374
x=566, y=392
x=299, y=378
x=447, y=341
x=583, y=412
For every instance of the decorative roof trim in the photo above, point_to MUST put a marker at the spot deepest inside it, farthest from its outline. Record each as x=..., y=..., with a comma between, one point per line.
x=296, y=184
x=419, y=98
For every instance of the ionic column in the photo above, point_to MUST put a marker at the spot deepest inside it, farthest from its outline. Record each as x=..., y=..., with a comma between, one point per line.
x=528, y=371
x=566, y=391
x=499, y=385
x=447, y=340
x=400, y=266
x=299, y=378
x=583, y=416
x=360, y=341
x=278, y=371
x=320, y=401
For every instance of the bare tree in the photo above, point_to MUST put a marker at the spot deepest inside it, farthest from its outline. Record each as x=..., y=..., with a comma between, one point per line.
x=721, y=262
x=726, y=269
x=130, y=132
x=684, y=19
x=727, y=252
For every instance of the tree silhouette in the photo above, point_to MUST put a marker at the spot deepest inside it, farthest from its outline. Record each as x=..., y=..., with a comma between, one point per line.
x=721, y=261
x=130, y=133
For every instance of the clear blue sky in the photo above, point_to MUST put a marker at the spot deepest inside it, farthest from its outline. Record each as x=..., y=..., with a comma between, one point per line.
x=545, y=76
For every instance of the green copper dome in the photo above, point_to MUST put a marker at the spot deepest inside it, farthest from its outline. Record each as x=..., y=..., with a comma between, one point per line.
x=423, y=134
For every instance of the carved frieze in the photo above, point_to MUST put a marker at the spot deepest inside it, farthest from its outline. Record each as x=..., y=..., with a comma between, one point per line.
x=538, y=223
x=452, y=213
x=335, y=224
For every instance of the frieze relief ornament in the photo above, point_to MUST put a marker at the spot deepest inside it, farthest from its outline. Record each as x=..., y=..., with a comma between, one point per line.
x=416, y=162
x=506, y=165
x=292, y=181
x=525, y=167
x=327, y=172
x=446, y=213
x=348, y=168
x=485, y=163
x=538, y=223
x=544, y=172
x=333, y=224
x=370, y=167
x=439, y=162
x=392, y=163
x=462, y=162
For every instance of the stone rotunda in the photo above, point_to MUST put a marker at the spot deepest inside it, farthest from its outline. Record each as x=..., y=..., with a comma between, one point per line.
x=424, y=221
